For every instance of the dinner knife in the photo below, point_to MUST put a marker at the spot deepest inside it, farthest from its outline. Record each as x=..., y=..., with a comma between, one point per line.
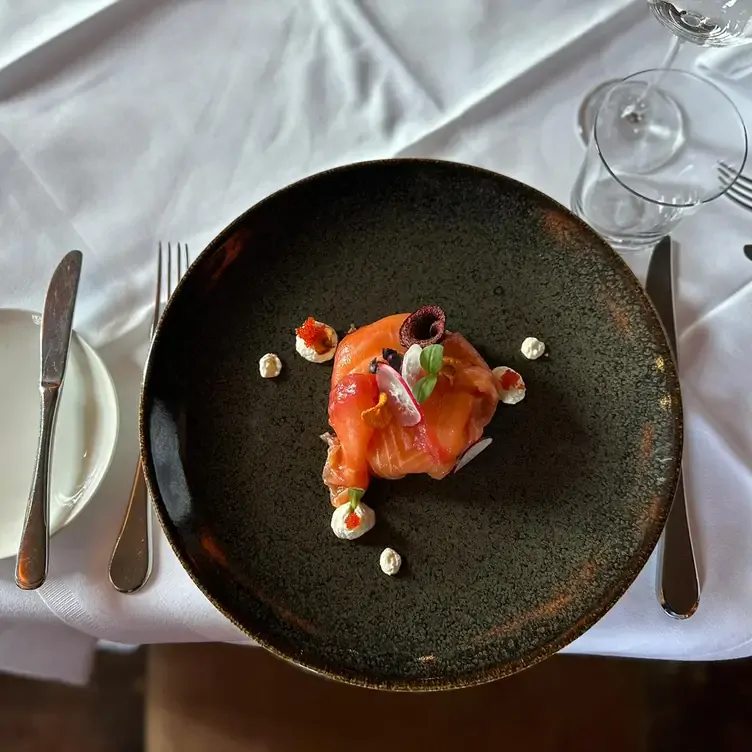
x=678, y=585
x=57, y=323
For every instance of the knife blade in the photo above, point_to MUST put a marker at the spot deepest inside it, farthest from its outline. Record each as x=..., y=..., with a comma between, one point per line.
x=678, y=585
x=55, y=334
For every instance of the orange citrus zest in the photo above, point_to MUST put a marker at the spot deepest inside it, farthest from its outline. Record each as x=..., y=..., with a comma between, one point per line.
x=377, y=416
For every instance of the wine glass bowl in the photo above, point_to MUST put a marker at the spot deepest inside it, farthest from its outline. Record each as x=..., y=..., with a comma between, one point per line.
x=708, y=23
x=639, y=180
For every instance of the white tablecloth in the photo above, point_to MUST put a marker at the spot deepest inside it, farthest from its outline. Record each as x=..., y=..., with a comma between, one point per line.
x=123, y=123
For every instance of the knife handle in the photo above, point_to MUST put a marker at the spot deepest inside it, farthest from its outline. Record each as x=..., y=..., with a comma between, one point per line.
x=130, y=565
x=33, y=555
x=678, y=585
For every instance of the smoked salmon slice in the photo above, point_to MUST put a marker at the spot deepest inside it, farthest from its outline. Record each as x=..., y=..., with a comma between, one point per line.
x=453, y=416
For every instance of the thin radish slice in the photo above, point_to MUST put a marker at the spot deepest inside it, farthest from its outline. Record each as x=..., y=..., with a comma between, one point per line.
x=412, y=371
x=471, y=453
x=407, y=410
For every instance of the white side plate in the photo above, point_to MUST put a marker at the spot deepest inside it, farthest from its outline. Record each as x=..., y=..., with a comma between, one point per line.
x=85, y=436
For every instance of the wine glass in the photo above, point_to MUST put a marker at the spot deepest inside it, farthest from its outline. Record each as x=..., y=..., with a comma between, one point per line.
x=619, y=192
x=708, y=23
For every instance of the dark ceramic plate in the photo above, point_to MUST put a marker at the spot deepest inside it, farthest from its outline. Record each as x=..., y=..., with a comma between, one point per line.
x=505, y=562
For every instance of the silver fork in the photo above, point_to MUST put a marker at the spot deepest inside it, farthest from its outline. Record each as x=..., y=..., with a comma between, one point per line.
x=739, y=190
x=130, y=565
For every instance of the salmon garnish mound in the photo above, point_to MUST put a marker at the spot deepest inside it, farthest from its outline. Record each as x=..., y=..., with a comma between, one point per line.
x=369, y=442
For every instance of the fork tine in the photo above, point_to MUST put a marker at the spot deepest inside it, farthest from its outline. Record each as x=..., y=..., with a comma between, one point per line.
x=731, y=196
x=741, y=187
x=180, y=261
x=731, y=175
x=738, y=188
x=726, y=167
x=169, y=271
x=742, y=198
x=158, y=294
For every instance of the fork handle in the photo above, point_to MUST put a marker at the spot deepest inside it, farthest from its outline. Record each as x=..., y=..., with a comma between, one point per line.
x=130, y=565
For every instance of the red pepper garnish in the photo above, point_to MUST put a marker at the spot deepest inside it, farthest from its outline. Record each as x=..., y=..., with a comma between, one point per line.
x=314, y=334
x=510, y=380
x=352, y=521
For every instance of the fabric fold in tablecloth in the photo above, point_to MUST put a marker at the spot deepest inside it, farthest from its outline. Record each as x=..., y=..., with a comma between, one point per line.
x=46, y=651
x=32, y=25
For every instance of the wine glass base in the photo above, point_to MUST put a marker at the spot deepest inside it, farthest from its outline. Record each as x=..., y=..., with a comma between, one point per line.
x=649, y=122
x=589, y=109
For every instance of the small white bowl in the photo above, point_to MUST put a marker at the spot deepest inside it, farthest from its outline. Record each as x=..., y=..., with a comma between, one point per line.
x=85, y=433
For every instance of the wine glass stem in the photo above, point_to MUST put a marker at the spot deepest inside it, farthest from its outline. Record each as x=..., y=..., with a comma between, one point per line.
x=668, y=61
x=672, y=52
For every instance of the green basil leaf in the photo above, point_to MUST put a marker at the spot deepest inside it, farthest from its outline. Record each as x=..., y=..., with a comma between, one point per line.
x=354, y=495
x=431, y=358
x=422, y=390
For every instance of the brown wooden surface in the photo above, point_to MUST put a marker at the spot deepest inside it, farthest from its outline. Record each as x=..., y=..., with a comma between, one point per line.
x=219, y=698
x=216, y=698
x=104, y=716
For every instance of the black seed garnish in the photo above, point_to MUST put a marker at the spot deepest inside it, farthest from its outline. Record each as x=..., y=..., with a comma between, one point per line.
x=393, y=358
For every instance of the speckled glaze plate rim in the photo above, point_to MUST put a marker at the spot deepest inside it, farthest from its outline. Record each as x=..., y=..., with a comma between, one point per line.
x=632, y=567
